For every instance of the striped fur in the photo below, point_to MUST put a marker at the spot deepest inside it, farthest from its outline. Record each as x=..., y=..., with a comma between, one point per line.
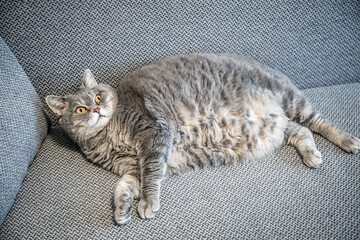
x=185, y=113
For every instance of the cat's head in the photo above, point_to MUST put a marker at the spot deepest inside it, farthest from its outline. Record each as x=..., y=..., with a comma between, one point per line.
x=87, y=111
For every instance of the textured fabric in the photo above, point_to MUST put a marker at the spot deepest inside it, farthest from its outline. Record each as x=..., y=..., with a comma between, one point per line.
x=315, y=43
x=22, y=125
x=64, y=196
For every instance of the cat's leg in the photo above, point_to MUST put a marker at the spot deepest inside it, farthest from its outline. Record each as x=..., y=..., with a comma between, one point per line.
x=154, y=153
x=298, y=109
x=126, y=190
x=302, y=138
x=333, y=133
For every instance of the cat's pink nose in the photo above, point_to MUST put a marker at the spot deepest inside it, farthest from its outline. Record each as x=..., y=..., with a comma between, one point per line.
x=97, y=110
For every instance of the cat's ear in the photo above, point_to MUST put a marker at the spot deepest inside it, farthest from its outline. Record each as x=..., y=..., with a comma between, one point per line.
x=88, y=80
x=57, y=104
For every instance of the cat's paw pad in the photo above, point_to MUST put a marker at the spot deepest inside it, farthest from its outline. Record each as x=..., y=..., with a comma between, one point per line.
x=351, y=144
x=312, y=158
x=147, y=208
x=122, y=213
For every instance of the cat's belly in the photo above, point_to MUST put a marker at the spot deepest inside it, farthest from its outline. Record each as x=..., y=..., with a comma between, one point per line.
x=228, y=137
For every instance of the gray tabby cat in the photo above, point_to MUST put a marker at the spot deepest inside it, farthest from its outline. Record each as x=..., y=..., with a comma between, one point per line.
x=185, y=113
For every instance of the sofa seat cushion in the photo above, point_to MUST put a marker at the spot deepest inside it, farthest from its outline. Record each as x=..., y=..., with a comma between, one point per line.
x=65, y=196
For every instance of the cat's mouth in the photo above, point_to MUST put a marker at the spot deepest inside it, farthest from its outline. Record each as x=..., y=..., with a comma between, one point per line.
x=99, y=117
x=99, y=120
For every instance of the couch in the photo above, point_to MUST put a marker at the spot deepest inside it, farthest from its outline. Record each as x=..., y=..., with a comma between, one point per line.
x=50, y=191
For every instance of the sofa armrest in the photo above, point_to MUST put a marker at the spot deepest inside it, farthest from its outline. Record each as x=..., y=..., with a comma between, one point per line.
x=23, y=127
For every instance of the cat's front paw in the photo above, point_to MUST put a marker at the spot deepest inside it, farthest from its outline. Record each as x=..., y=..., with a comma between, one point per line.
x=351, y=144
x=122, y=213
x=147, y=208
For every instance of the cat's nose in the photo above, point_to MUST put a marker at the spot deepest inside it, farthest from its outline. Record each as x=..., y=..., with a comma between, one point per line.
x=97, y=110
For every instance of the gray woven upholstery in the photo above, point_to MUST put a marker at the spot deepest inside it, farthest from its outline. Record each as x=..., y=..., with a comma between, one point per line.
x=22, y=125
x=64, y=196
x=314, y=43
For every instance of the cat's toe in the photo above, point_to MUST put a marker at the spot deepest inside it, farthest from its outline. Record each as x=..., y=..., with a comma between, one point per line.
x=351, y=144
x=312, y=158
x=147, y=208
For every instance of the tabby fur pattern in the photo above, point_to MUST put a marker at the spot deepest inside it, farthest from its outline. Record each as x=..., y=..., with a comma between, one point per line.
x=185, y=113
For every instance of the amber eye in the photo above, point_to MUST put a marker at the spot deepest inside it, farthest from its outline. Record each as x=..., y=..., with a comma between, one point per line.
x=98, y=98
x=80, y=110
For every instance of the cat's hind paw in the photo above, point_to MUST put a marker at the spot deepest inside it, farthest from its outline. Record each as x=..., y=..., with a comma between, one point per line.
x=351, y=144
x=147, y=208
x=312, y=158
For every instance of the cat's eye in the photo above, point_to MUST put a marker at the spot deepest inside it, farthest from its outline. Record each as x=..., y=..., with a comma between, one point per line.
x=80, y=110
x=97, y=98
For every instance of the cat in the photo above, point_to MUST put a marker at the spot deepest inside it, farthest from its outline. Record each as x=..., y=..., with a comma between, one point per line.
x=187, y=112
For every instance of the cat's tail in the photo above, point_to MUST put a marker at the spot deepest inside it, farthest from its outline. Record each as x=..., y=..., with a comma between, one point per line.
x=300, y=110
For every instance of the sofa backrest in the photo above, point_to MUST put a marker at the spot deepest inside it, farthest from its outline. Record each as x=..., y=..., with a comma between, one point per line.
x=314, y=43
